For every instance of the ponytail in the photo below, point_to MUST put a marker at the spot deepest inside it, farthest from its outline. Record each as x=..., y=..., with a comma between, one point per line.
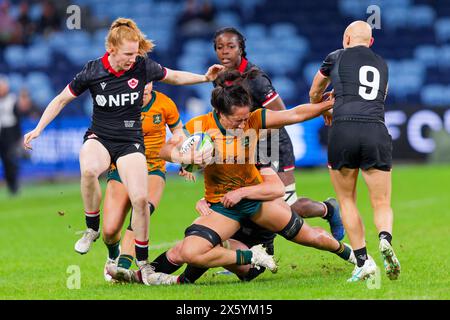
x=126, y=29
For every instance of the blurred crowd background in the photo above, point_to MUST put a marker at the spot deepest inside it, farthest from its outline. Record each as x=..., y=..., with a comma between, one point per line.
x=288, y=39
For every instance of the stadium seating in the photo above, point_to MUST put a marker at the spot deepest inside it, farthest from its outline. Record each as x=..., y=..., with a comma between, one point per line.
x=288, y=39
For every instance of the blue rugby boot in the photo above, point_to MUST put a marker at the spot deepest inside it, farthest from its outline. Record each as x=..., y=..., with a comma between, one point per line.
x=336, y=226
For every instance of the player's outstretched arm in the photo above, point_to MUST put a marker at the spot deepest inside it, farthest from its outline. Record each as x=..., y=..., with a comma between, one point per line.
x=176, y=77
x=318, y=87
x=270, y=189
x=52, y=110
x=170, y=151
x=303, y=112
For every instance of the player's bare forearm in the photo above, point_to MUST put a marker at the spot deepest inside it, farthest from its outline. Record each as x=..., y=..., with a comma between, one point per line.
x=318, y=87
x=176, y=77
x=169, y=152
x=264, y=191
x=184, y=78
x=53, y=109
x=270, y=189
x=277, y=119
x=312, y=110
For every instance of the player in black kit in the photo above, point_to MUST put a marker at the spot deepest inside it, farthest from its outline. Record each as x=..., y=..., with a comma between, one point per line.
x=359, y=139
x=116, y=83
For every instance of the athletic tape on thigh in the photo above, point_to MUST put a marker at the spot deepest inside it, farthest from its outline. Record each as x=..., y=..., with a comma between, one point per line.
x=203, y=232
x=293, y=227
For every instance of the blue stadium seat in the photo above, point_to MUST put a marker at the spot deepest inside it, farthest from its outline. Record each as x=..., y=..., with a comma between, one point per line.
x=117, y=9
x=39, y=55
x=310, y=70
x=283, y=30
x=285, y=87
x=228, y=19
x=395, y=18
x=192, y=63
x=16, y=81
x=35, y=11
x=427, y=54
x=421, y=16
x=58, y=42
x=442, y=29
x=197, y=47
x=255, y=31
x=37, y=79
x=99, y=36
x=15, y=56
x=78, y=38
x=223, y=4
x=358, y=8
x=80, y=55
x=444, y=56
x=282, y=62
x=162, y=38
x=435, y=94
x=296, y=45
x=40, y=88
x=88, y=105
x=42, y=97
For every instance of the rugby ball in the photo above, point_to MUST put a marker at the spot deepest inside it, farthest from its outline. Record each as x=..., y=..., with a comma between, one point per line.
x=200, y=142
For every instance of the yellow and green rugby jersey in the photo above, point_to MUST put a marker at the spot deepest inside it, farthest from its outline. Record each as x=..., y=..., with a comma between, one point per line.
x=234, y=158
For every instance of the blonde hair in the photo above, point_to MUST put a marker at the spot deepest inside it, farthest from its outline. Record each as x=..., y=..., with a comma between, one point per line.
x=126, y=29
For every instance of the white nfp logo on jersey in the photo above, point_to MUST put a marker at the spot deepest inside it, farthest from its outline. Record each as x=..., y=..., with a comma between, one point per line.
x=117, y=100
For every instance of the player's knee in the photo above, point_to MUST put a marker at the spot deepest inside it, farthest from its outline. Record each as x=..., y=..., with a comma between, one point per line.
x=151, y=208
x=89, y=173
x=380, y=202
x=110, y=232
x=139, y=201
x=293, y=227
x=174, y=254
x=191, y=255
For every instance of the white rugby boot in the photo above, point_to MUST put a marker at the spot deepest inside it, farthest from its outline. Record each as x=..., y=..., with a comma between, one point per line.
x=160, y=278
x=352, y=258
x=126, y=275
x=83, y=245
x=109, y=269
x=390, y=261
x=146, y=270
x=261, y=258
x=368, y=270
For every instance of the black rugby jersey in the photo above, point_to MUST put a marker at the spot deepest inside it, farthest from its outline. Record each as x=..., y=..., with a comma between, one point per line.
x=359, y=78
x=261, y=87
x=117, y=96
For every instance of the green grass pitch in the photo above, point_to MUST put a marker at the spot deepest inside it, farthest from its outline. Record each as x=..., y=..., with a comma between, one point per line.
x=39, y=229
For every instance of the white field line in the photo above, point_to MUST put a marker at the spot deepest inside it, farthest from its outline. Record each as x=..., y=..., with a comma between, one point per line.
x=418, y=202
x=157, y=246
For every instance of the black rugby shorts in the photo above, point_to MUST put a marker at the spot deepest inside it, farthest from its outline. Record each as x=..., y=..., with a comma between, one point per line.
x=117, y=149
x=359, y=144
